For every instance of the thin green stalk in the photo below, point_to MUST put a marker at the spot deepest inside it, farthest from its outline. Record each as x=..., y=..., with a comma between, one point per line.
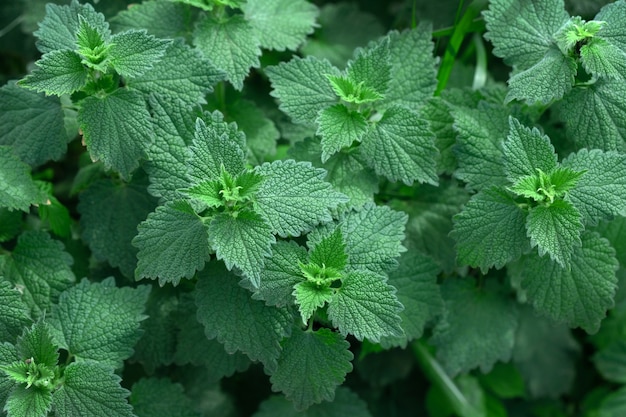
x=480, y=74
x=11, y=25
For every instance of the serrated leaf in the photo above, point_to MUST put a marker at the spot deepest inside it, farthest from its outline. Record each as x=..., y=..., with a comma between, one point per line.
x=548, y=80
x=231, y=44
x=281, y=24
x=7, y=384
x=110, y=338
x=302, y=88
x=346, y=403
x=32, y=124
x=163, y=18
x=118, y=142
x=240, y=323
x=600, y=192
x=613, y=14
x=614, y=404
x=611, y=362
x=58, y=73
x=595, y=115
x=330, y=252
x=371, y=67
x=481, y=132
x=294, y=197
x=133, y=52
x=160, y=397
x=244, y=241
x=14, y=314
x=555, y=229
x=578, y=296
x=91, y=388
x=418, y=291
x=366, y=306
x=36, y=343
x=478, y=328
x=491, y=230
x=600, y=58
x=173, y=244
x=28, y=402
x=310, y=296
x=40, y=268
x=526, y=151
x=413, y=74
x=564, y=179
x=181, y=73
x=17, y=188
x=311, y=366
x=59, y=29
x=401, y=147
x=110, y=213
x=522, y=31
x=339, y=127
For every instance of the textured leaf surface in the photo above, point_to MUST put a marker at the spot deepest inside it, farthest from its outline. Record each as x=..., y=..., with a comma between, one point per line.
x=32, y=123
x=339, y=127
x=330, y=252
x=110, y=213
x=578, y=296
x=346, y=403
x=14, y=316
x=37, y=343
x=17, y=188
x=526, y=151
x=603, y=59
x=401, y=147
x=100, y=322
x=229, y=314
x=134, y=52
x=181, y=73
x=173, y=244
x=601, y=192
x=58, y=73
x=160, y=397
x=614, y=15
x=311, y=366
x=366, y=306
x=491, y=230
x=40, y=267
x=371, y=67
x=302, y=88
x=27, y=402
x=242, y=241
x=163, y=18
x=311, y=296
x=294, y=197
x=230, y=44
x=7, y=355
x=118, y=141
x=478, y=328
x=281, y=24
x=611, y=362
x=91, y=388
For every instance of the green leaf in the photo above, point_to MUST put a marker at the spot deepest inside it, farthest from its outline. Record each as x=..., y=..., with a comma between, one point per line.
x=14, y=315
x=478, y=328
x=243, y=240
x=10, y=223
x=613, y=15
x=352, y=91
x=36, y=344
x=413, y=74
x=294, y=197
x=371, y=67
x=207, y=192
x=40, y=268
x=58, y=73
x=366, y=306
x=601, y=192
x=418, y=291
x=110, y=212
x=160, y=397
x=91, y=388
x=134, y=52
x=504, y=380
x=339, y=127
x=302, y=88
x=555, y=229
x=32, y=124
x=181, y=73
x=563, y=179
x=614, y=404
x=584, y=292
x=527, y=151
x=611, y=362
x=346, y=403
x=173, y=244
x=491, y=230
x=17, y=189
x=600, y=58
x=240, y=323
x=59, y=29
x=118, y=142
x=330, y=252
x=280, y=273
x=231, y=44
x=310, y=296
x=55, y=216
x=110, y=338
x=163, y=18
x=401, y=147
x=522, y=32
x=595, y=115
x=28, y=402
x=216, y=144
x=7, y=384
x=481, y=132
x=311, y=366
x=281, y=24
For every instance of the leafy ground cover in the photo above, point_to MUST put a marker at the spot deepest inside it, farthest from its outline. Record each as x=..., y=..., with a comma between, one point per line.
x=312, y=208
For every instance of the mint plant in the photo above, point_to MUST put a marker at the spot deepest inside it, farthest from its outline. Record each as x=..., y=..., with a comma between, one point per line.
x=295, y=208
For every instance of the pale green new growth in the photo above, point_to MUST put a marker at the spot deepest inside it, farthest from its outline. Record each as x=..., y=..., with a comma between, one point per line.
x=371, y=68
x=339, y=127
x=527, y=151
x=134, y=52
x=309, y=296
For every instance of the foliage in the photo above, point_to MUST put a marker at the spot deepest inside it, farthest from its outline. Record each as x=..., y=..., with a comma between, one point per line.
x=312, y=208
